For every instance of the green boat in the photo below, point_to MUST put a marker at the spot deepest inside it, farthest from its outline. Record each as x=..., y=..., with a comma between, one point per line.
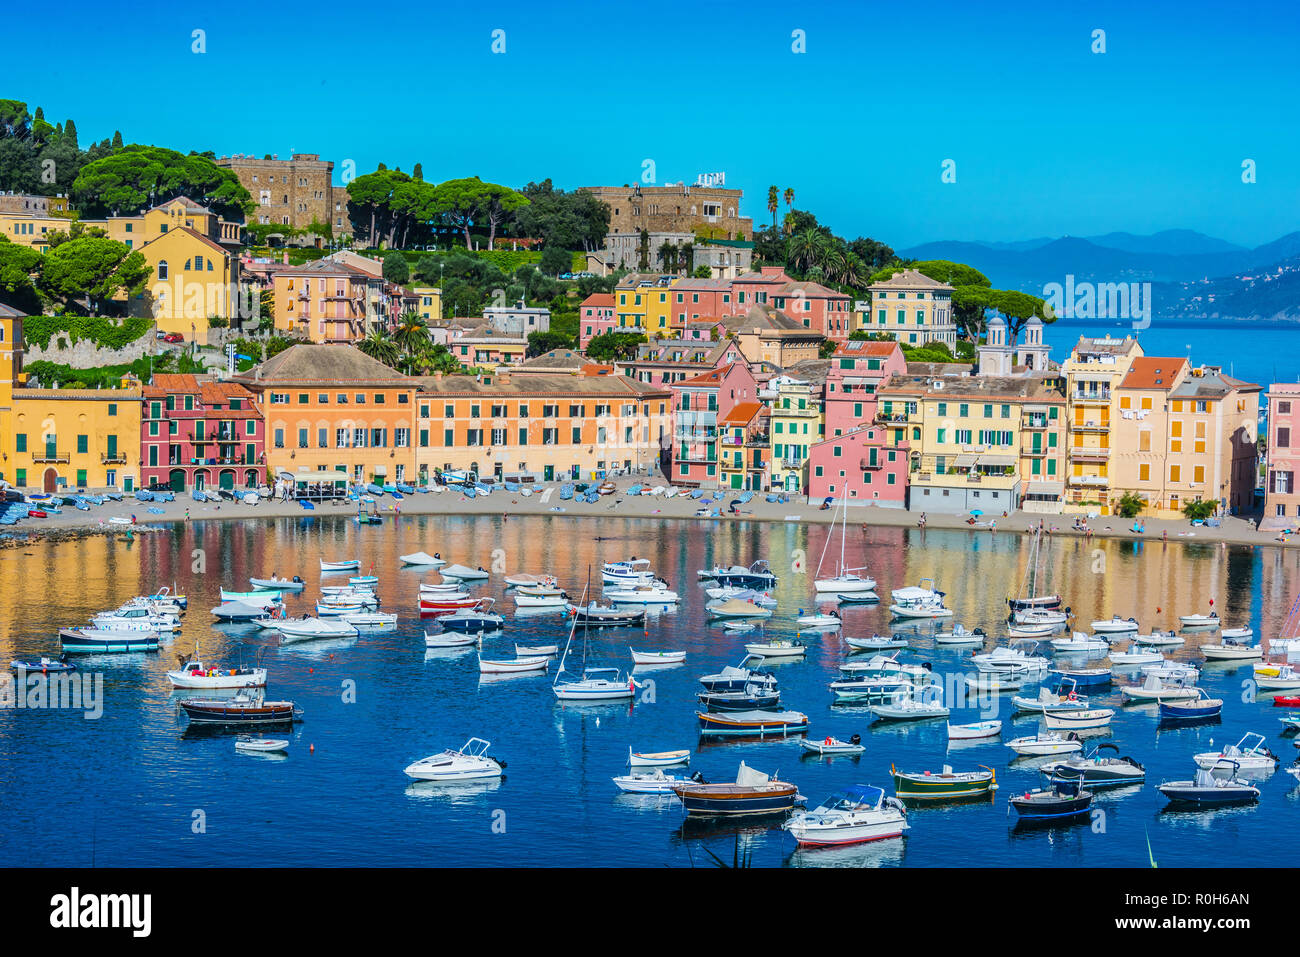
x=944, y=786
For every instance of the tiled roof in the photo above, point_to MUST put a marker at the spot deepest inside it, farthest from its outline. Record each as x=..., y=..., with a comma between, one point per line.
x=316, y=363
x=911, y=279
x=1153, y=372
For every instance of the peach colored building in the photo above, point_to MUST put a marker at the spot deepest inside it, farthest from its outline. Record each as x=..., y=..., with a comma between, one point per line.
x=1281, y=497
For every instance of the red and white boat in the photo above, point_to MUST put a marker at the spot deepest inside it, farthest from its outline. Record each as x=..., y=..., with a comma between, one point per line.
x=435, y=606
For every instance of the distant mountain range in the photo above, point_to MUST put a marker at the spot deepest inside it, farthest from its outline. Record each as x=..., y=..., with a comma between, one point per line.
x=1193, y=276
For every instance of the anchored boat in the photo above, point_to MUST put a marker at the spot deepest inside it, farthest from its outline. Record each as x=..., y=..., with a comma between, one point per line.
x=946, y=785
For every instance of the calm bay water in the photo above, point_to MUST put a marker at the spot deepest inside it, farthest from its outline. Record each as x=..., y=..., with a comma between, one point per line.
x=127, y=789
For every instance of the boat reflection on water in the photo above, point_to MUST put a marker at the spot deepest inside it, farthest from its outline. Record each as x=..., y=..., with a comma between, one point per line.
x=887, y=853
x=454, y=794
x=445, y=654
x=649, y=803
x=320, y=647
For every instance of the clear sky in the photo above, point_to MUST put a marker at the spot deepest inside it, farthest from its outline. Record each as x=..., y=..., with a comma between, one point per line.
x=1047, y=137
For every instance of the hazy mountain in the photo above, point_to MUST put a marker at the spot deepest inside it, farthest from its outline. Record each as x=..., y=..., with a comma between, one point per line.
x=1171, y=242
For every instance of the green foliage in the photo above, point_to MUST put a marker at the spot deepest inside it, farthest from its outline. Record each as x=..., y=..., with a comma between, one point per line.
x=140, y=177
x=106, y=377
x=702, y=271
x=277, y=344
x=556, y=260
x=259, y=232
x=95, y=268
x=542, y=342
x=19, y=269
x=1130, y=505
x=397, y=269
x=102, y=331
x=1199, y=510
x=827, y=348
x=612, y=345
x=575, y=220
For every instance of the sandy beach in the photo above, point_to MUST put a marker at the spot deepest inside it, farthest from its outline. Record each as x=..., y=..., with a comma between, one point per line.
x=72, y=523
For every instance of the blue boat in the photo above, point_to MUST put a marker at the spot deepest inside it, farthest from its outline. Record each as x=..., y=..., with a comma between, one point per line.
x=744, y=497
x=773, y=497
x=374, y=489
x=566, y=491
x=593, y=498
x=635, y=489
x=512, y=486
x=113, y=496
x=697, y=493
x=153, y=510
x=1065, y=800
x=76, y=641
x=1200, y=708
x=470, y=491
x=307, y=505
x=81, y=504
x=405, y=489
x=144, y=495
x=199, y=495
x=164, y=497
x=389, y=487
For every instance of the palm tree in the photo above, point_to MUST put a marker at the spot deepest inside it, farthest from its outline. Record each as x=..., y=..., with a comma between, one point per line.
x=379, y=345
x=668, y=256
x=807, y=249
x=773, y=202
x=686, y=258
x=789, y=196
x=412, y=334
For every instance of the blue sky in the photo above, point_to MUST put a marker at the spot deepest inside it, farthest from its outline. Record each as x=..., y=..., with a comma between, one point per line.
x=1048, y=137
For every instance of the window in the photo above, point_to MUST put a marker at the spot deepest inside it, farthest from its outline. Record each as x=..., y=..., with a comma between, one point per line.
x=82, y=442
x=20, y=444
x=1283, y=436
x=279, y=438
x=1144, y=473
x=302, y=438
x=162, y=264
x=322, y=438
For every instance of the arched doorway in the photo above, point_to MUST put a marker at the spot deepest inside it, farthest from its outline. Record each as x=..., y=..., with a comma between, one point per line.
x=51, y=480
x=176, y=478
x=201, y=478
x=250, y=478
x=226, y=479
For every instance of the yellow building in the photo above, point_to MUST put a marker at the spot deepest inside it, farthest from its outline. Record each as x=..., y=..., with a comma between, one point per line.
x=795, y=426
x=545, y=426
x=913, y=308
x=1184, y=434
x=31, y=230
x=194, y=278
x=52, y=438
x=430, y=302
x=643, y=303
x=1093, y=373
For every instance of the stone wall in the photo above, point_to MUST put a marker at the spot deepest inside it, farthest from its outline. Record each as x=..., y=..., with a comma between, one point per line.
x=86, y=354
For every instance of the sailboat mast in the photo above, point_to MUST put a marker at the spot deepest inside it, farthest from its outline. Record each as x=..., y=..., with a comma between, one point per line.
x=572, y=630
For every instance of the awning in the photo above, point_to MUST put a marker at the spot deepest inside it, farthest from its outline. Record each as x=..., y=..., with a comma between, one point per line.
x=313, y=476
x=997, y=460
x=1045, y=488
x=380, y=470
x=965, y=461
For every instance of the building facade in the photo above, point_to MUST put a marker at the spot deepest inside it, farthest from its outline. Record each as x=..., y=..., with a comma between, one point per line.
x=294, y=192
x=1281, y=496
x=197, y=434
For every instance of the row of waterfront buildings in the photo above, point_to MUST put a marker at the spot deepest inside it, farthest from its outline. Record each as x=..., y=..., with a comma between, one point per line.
x=1013, y=431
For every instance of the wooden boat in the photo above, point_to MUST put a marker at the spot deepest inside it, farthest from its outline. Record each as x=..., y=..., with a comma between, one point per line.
x=1058, y=802
x=532, y=651
x=488, y=666
x=753, y=698
x=251, y=745
x=776, y=648
x=453, y=640
x=240, y=710
x=832, y=745
x=605, y=616
x=946, y=785
x=278, y=584
x=748, y=723
x=657, y=657
x=657, y=759
x=741, y=677
x=752, y=793
x=436, y=606
x=970, y=732
x=854, y=816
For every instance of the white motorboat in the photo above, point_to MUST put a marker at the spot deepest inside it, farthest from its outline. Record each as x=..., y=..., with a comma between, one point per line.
x=735, y=608
x=777, y=648
x=832, y=745
x=370, y=619
x=1135, y=656
x=546, y=589
x=657, y=759
x=1250, y=754
x=657, y=657
x=1048, y=699
x=759, y=598
x=335, y=607
x=1115, y=625
x=344, y=566
x=1057, y=719
x=349, y=595
x=854, y=816
x=238, y=611
x=959, y=635
x=968, y=732
x=193, y=674
x=642, y=594
x=877, y=643
x=1174, y=671
x=1039, y=616
x=1018, y=656
x=653, y=782
x=422, y=559
x=470, y=763
x=626, y=572
x=912, y=705
x=515, y=581
x=1156, y=688
x=1158, y=639
x=261, y=598
x=1079, y=642
x=820, y=621
x=1231, y=650
x=1045, y=744
x=1286, y=679
x=1030, y=631
x=919, y=601
x=278, y=584
x=306, y=629
x=252, y=745
x=997, y=681
x=454, y=639
x=463, y=573
x=1200, y=621
x=596, y=684
x=1245, y=633
x=487, y=666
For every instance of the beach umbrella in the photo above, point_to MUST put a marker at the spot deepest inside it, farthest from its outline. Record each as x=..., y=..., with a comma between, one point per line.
x=977, y=512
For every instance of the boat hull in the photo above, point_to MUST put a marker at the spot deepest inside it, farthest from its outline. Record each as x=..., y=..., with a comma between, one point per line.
x=732, y=801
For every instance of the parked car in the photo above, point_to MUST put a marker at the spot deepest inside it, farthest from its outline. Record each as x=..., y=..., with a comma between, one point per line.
x=173, y=337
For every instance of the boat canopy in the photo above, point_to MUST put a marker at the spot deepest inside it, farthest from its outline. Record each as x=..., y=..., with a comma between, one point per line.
x=864, y=794
x=747, y=777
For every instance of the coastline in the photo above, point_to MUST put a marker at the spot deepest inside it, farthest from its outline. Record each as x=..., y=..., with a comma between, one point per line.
x=74, y=524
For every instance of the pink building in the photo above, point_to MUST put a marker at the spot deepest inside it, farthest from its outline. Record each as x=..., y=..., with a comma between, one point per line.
x=694, y=299
x=699, y=404
x=811, y=304
x=595, y=317
x=200, y=434
x=858, y=368
x=862, y=466
x=1281, y=498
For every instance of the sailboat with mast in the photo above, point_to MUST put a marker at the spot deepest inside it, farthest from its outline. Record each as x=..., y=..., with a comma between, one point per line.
x=596, y=684
x=1029, y=599
x=845, y=580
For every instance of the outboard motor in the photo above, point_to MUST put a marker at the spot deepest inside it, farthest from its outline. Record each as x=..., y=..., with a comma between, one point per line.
x=698, y=778
x=927, y=666
x=855, y=739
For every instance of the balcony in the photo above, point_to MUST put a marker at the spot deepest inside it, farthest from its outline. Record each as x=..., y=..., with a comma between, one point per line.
x=792, y=463
x=1091, y=425
x=1034, y=422
x=113, y=458
x=1101, y=397
x=51, y=457
x=1087, y=454
x=796, y=413
x=1090, y=481
x=893, y=418
x=867, y=464
x=953, y=479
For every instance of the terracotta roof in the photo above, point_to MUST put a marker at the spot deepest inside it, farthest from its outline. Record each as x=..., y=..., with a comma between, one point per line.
x=316, y=363
x=541, y=385
x=867, y=347
x=598, y=299
x=196, y=234
x=711, y=378
x=909, y=279
x=1153, y=372
x=742, y=413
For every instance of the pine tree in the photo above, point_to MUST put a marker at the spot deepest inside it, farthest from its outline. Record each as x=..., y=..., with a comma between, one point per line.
x=117, y=139
x=70, y=131
x=418, y=173
x=40, y=113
